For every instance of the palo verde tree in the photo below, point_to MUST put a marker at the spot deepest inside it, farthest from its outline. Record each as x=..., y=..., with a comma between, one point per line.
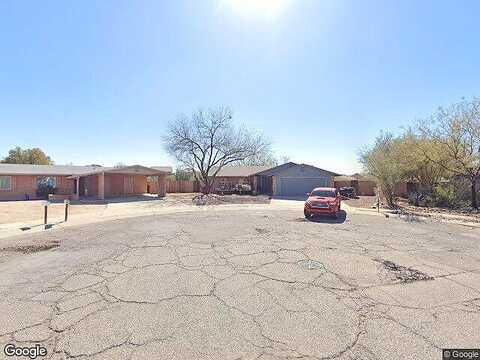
x=415, y=152
x=381, y=161
x=208, y=140
x=455, y=134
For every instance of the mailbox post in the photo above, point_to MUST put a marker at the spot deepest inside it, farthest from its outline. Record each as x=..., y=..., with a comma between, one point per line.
x=66, y=202
x=45, y=213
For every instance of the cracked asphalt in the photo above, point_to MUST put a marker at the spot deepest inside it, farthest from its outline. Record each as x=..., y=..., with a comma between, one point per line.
x=258, y=283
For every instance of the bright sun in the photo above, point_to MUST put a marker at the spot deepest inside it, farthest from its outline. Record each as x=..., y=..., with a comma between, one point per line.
x=254, y=8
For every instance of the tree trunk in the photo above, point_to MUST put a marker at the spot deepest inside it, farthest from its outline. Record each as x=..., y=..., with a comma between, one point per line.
x=474, y=193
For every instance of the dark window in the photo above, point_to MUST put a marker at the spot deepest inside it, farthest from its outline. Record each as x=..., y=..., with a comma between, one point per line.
x=323, y=193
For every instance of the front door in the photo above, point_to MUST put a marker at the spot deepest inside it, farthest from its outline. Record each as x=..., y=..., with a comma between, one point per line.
x=128, y=184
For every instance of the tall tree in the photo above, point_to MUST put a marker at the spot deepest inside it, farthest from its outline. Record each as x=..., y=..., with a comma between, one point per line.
x=415, y=152
x=455, y=135
x=27, y=156
x=208, y=140
x=381, y=161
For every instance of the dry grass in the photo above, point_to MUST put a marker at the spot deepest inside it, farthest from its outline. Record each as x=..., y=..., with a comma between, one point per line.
x=23, y=211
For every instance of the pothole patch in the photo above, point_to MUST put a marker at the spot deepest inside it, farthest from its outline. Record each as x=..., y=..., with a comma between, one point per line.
x=311, y=265
x=403, y=273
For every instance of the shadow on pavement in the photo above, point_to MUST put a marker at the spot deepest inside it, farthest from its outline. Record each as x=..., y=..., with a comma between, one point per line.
x=115, y=200
x=296, y=198
x=48, y=226
x=342, y=216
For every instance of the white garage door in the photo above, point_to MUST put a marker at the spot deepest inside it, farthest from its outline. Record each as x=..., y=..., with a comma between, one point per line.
x=297, y=186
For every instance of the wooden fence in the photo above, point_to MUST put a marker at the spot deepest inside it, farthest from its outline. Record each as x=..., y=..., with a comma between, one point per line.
x=182, y=186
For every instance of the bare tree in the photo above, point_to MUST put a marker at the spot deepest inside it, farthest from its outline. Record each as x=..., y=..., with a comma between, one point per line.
x=455, y=134
x=266, y=159
x=208, y=140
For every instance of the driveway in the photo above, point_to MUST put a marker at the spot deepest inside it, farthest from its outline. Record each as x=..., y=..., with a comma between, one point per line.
x=252, y=283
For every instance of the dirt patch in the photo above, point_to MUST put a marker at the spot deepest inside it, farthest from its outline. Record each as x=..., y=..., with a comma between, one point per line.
x=32, y=211
x=261, y=230
x=29, y=249
x=365, y=202
x=403, y=273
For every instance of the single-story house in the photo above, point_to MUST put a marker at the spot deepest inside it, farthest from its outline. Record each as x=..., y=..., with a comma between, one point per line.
x=289, y=179
x=22, y=181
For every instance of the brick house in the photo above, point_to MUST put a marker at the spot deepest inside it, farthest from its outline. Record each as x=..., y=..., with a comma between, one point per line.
x=21, y=181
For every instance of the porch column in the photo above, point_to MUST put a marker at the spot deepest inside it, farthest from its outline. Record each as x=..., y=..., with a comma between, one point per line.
x=254, y=185
x=76, y=196
x=101, y=186
x=274, y=185
x=162, y=185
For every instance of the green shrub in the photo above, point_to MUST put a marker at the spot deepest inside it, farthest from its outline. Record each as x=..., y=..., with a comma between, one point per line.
x=454, y=195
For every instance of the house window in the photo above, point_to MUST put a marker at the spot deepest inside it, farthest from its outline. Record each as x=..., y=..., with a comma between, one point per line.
x=47, y=181
x=5, y=183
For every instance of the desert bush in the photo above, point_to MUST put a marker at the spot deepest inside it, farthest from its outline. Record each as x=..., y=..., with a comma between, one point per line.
x=453, y=195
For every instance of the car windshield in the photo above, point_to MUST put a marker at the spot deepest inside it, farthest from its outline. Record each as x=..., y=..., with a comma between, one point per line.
x=323, y=193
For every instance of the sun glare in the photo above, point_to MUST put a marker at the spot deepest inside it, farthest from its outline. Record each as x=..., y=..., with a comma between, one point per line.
x=257, y=8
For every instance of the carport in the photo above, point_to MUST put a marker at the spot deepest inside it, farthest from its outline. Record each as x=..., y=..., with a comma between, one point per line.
x=293, y=180
x=124, y=181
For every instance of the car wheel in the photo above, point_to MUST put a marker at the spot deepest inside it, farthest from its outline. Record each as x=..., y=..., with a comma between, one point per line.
x=307, y=214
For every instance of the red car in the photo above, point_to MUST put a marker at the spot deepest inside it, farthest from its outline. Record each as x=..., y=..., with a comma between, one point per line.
x=322, y=201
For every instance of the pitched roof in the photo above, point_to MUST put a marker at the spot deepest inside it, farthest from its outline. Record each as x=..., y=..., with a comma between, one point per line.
x=241, y=171
x=167, y=169
x=363, y=177
x=69, y=170
x=276, y=169
x=344, y=178
x=27, y=169
x=354, y=177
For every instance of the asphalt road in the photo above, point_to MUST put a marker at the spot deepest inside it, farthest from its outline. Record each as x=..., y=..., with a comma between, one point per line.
x=249, y=284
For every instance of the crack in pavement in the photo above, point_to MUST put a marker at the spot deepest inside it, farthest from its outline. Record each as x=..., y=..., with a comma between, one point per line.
x=207, y=286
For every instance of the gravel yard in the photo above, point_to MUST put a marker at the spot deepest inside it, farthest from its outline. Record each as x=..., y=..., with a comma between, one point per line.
x=365, y=202
x=32, y=211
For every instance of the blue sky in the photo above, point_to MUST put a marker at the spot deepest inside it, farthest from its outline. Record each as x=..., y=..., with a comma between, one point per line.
x=97, y=81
